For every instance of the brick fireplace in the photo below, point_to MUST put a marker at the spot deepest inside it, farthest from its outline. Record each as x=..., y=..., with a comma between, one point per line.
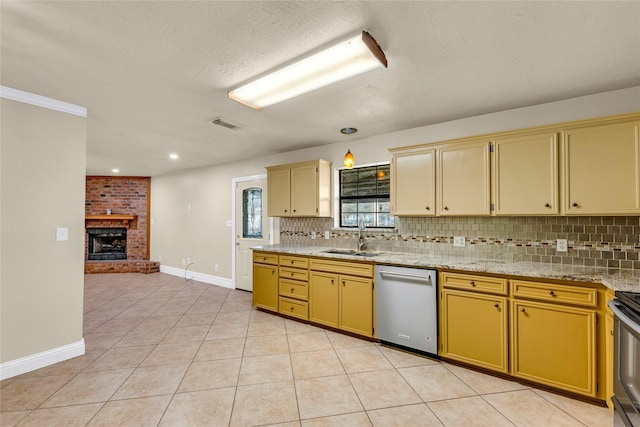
x=117, y=225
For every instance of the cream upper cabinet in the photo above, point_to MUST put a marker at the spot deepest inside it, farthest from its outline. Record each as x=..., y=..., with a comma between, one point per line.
x=279, y=192
x=464, y=178
x=601, y=169
x=413, y=185
x=525, y=174
x=299, y=189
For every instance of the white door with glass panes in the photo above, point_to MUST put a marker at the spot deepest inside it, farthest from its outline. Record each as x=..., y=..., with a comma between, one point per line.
x=365, y=194
x=252, y=228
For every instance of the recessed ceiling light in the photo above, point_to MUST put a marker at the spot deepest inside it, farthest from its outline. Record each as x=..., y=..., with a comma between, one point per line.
x=115, y=170
x=173, y=156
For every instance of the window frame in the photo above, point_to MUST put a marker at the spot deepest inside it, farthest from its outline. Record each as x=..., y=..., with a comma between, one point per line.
x=245, y=214
x=384, y=197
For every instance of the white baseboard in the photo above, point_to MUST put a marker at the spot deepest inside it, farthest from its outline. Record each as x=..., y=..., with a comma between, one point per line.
x=40, y=360
x=200, y=277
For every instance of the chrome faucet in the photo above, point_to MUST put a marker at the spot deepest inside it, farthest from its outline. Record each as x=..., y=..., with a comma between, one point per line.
x=361, y=242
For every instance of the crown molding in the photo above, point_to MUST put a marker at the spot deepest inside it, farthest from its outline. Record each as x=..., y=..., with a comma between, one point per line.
x=41, y=101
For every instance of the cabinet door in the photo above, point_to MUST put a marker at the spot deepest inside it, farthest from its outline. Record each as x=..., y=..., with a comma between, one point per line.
x=323, y=298
x=602, y=170
x=265, y=286
x=609, y=348
x=463, y=187
x=554, y=345
x=413, y=184
x=304, y=190
x=474, y=329
x=526, y=175
x=278, y=182
x=356, y=305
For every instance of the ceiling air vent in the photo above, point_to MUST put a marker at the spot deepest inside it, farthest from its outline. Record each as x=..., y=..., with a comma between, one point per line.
x=220, y=122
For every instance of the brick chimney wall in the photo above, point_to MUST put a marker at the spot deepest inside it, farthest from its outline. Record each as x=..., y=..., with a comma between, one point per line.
x=124, y=196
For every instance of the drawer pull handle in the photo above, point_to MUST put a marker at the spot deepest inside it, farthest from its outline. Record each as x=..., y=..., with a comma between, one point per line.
x=332, y=281
x=522, y=310
x=473, y=283
x=575, y=205
x=446, y=208
x=553, y=294
x=292, y=262
x=497, y=305
x=291, y=290
x=343, y=283
x=428, y=208
x=292, y=274
x=291, y=308
x=547, y=205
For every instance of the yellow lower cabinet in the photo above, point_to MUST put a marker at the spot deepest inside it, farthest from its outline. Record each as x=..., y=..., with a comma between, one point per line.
x=474, y=329
x=608, y=390
x=356, y=305
x=554, y=345
x=265, y=286
x=293, y=307
x=323, y=298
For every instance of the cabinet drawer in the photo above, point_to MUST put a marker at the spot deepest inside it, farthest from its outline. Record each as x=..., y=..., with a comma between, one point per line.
x=294, y=261
x=294, y=273
x=492, y=285
x=294, y=289
x=265, y=258
x=342, y=267
x=294, y=308
x=565, y=294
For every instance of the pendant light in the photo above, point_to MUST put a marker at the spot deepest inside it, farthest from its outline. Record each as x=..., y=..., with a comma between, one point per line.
x=349, y=160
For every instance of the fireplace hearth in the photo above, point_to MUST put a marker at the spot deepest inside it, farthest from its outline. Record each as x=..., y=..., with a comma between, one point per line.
x=107, y=244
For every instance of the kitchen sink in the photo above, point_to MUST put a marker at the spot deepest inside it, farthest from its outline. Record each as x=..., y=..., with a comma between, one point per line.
x=351, y=252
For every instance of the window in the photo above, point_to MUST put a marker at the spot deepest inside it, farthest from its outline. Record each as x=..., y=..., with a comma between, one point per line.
x=252, y=213
x=364, y=193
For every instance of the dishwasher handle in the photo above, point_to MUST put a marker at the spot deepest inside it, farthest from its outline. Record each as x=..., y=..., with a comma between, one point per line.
x=426, y=279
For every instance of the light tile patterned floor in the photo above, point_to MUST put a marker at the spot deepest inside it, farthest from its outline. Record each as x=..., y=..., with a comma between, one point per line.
x=164, y=351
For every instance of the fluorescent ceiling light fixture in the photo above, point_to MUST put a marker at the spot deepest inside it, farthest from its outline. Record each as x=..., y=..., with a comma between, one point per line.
x=338, y=62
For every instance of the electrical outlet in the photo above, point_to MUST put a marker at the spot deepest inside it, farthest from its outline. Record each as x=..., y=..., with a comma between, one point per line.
x=188, y=260
x=159, y=257
x=184, y=261
x=327, y=235
x=62, y=233
x=561, y=245
x=215, y=267
x=459, y=241
x=313, y=234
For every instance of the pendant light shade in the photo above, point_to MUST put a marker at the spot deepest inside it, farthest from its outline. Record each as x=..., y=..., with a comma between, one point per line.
x=349, y=161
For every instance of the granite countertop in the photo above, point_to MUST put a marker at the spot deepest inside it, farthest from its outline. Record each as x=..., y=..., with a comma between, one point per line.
x=614, y=278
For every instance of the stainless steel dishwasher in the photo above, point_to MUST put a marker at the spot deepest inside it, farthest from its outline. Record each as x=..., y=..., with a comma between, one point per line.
x=406, y=307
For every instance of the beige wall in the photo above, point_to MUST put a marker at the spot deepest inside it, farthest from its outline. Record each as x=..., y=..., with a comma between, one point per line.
x=201, y=233
x=42, y=184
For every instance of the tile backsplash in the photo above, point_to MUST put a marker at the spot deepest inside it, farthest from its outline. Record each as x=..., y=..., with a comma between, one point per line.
x=604, y=241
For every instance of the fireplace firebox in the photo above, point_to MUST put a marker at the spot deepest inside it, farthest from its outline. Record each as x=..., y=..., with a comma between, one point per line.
x=107, y=243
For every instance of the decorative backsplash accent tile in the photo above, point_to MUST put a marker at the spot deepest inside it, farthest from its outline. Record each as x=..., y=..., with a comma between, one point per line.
x=592, y=241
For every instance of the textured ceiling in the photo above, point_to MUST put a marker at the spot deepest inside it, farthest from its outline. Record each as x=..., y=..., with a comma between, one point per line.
x=154, y=74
